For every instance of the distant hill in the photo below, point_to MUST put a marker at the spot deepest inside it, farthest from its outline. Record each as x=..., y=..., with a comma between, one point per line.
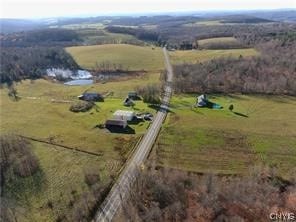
x=167, y=19
x=17, y=25
x=282, y=15
x=241, y=18
x=288, y=15
x=40, y=37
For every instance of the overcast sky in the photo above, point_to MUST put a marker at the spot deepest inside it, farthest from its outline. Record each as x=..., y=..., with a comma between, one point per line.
x=52, y=8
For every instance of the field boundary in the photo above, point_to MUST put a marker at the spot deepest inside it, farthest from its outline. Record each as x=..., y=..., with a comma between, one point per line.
x=74, y=149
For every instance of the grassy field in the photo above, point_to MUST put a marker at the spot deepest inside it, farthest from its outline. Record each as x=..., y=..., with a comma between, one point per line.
x=62, y=173
x=130, y=56
x=84, y=26
x=219, y=40
x=205, y=23
x=40, y=117
x=145, y=58
x=35, y=115
x=194, y=56
x=95, y=33
x=103, y=37
x=205, y=140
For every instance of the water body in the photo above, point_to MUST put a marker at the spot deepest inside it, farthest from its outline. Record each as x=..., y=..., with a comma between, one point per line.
x=79, y=82
x=68, y=74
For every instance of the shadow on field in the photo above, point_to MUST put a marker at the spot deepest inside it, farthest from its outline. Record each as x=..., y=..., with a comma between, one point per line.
x=135, y=121
x=229, y=96
x=157, y=108
x=126, y=130
x=241, y=114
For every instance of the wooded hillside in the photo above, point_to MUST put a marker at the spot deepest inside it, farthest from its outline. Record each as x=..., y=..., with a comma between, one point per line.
x=273, y=72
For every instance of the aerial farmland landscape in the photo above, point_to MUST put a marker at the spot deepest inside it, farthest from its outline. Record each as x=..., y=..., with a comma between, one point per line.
x=148, y=112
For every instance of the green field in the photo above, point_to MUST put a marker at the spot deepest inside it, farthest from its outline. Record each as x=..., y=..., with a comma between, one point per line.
x=95, y=33
x=35, y=115
x=94, y=37
x=145, y=58
x=205, y=23
x=194, y=56
x=220, y=141
x=131, y=57
x=84, y=26
x=217, y=40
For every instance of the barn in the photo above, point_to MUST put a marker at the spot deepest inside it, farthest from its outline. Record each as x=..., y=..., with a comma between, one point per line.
x=117, y=123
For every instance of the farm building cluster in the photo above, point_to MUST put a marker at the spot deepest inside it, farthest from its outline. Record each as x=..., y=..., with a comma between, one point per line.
x=120, y=118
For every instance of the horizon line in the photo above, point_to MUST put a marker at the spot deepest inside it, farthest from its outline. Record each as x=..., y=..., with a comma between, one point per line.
x=147, y=13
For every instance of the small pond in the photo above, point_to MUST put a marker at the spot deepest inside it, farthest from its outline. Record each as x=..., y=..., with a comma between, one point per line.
x=79, y=82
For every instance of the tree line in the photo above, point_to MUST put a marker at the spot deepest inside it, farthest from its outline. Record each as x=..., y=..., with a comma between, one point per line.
x=18, y=63
x=41, y=37
x=28, y=54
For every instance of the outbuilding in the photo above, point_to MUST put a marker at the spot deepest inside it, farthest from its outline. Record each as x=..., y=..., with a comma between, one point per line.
x=117, y=123
x=124, y=115
x=202, y=101
x=133, y=95
x=91, y=97
x=128, y=102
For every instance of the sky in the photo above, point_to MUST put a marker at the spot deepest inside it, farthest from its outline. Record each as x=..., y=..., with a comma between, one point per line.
x=67, y=8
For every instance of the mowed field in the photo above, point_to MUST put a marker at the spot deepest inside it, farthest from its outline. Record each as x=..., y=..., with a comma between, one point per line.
x=205, y=23
x=62, y=171
x=217, y=40
x=131, y=57
x=145, y=58
x=260, y=130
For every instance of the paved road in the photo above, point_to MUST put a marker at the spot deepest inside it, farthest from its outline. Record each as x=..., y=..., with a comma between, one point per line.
x=122, y=187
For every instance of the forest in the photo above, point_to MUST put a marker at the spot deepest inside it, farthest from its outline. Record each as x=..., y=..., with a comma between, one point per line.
x=41, y=37
x=18, y=63
x=179, y=34
x=172, y=195
x=273, y=72
x=28, y=54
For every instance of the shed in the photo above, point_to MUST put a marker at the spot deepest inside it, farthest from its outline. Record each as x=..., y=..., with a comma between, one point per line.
x=202, y=100
x=128, y=102
x=91, y=97
x=124, y=115
x=133, y=95
x=116, y=123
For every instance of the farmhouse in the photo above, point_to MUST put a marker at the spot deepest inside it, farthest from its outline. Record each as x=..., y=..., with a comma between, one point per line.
x=91, y=97
x=117, y=123
x=124, y=115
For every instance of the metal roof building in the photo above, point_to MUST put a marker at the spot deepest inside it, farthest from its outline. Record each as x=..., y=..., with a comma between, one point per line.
x=124, y=115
